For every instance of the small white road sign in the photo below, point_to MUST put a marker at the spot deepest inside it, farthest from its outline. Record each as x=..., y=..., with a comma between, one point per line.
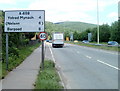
x=24, y=21
x=43, y=35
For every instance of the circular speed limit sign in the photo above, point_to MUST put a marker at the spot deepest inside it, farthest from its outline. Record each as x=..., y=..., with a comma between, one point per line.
x=43, y=35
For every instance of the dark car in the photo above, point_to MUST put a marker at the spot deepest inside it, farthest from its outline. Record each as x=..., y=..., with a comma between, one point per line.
x=114, y=43
x=47, y=40
x=50, y=41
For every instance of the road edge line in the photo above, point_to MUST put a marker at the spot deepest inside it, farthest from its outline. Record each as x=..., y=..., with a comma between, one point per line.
x=62, y=81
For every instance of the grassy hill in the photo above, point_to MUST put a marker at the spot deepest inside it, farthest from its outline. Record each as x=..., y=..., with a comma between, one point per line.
x=75, y=26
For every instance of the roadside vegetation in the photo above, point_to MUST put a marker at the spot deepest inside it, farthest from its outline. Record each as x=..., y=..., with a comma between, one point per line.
x=106, y=32
x=111, y=48
x=14, y=60
x=48, y=78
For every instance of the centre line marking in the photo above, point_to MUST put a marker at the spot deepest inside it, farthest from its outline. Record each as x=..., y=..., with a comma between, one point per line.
x=89, y=57
x=108, y=65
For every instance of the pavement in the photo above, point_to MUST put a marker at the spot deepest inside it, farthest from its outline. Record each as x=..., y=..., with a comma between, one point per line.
x=25, y=75
x=0, y=85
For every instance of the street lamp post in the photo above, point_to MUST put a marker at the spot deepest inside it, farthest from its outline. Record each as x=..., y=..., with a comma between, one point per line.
x=97, y=23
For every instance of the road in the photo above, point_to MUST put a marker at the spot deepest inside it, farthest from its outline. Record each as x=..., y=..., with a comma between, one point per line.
x=84, y=67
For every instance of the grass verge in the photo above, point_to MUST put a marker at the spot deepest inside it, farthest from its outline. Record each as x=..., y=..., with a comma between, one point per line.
x=14, y=61
x=48, y=78
x=111, y=48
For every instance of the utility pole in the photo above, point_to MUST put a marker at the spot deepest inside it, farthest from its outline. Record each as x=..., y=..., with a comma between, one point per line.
x=97, y=22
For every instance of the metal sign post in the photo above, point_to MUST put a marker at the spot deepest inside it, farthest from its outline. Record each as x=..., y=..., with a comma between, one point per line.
x=42, y=37
x=42, y=54
x=71, y=37
x=89, y=36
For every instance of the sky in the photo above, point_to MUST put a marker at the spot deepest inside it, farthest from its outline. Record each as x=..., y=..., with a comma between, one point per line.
x=68, y=10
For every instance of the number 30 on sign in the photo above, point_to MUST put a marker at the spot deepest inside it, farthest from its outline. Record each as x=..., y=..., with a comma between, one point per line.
x=43, y=36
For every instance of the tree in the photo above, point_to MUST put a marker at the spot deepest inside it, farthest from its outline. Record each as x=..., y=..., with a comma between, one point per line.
x=66, y=34
x=104, y=33
x=29, y=35
x=76, y=35
x=84, y=35
x=115, y=31
x=94, y=34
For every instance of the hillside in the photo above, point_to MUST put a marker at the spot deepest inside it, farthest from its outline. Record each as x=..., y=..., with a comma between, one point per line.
x=75, y=26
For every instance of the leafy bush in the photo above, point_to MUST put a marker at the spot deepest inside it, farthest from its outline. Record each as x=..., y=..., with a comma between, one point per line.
x=14, y=60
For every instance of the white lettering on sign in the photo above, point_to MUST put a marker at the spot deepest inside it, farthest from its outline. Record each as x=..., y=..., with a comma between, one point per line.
x=24, y=21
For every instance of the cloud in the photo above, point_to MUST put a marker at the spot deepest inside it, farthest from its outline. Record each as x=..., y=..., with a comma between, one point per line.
x=69, y=16
x=70, y=8
x=57, y=10
x=61, y=10
x=113, y=15
x=63, y=5
x=69, y=5
x=104, y=4
x=7, y=1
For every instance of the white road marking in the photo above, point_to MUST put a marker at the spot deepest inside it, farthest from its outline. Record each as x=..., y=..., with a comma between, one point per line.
x=61, y=78
x=51, y=54
x=108, y=65
x=58, y=66
x=89, y=57
x=105, y=63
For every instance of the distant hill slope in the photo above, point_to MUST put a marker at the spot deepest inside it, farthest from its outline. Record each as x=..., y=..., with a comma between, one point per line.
x=77, y=26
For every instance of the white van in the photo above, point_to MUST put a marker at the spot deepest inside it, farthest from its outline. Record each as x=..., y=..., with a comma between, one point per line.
x=58, y=39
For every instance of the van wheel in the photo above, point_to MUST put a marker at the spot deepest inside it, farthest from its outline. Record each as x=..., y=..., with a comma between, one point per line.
x=53, y=46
